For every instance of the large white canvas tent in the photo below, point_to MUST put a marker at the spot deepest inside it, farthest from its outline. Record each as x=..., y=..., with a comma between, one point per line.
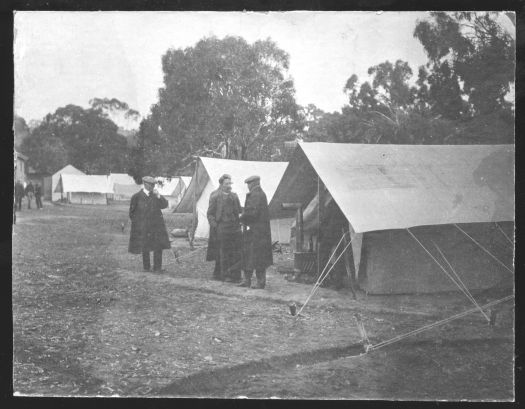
x=206, y=179
x=389, y=192
x=85, y=189
x=55, y=178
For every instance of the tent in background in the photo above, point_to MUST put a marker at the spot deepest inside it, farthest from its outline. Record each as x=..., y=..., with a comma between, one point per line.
x=184, y=183
x=123, y=186
x=206, y=179
x=168, y=187
x=124, y=192
x=55, y=178
x=85, y=189
x=177, y=193
x=383, y=190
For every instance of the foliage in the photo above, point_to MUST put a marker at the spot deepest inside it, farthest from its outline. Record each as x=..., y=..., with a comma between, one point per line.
x=470, y=55
x=458, y=96
x=222, y=98
x=20, y=129
x=85, y=138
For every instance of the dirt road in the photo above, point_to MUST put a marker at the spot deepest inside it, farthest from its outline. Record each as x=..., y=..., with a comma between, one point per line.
x=88, y=321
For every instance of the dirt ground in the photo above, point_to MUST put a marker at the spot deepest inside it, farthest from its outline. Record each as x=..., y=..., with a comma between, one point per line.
x=87, y=321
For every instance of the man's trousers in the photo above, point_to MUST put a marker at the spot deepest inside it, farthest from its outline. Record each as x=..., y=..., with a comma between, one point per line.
x=157, y=260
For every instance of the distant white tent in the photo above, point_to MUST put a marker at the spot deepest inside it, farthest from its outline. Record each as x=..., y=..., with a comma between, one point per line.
x=55, y=178
x=167, y=187
x=384, y=190
x=124, y=192
x=206, y=179
x=122, y=185
x=180, y=190
x=121, y=179
x=85, y=189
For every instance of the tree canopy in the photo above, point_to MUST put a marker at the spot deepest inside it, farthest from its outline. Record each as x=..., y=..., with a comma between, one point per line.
x=222, y=97
x=459, y=96
x=85, y=138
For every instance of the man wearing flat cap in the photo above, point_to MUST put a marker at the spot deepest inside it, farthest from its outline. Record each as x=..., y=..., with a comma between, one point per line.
x=257, y=243
x=148, y=231
x=225, y=239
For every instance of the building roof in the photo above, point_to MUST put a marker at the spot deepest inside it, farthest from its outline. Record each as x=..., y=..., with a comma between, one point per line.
x=209, y=170
x=381, y=187
x=84, y=184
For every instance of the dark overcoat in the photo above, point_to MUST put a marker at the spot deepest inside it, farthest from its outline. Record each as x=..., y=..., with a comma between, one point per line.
x=257, y=235
x=148, y=231
x=213, y=214
x=19, y=190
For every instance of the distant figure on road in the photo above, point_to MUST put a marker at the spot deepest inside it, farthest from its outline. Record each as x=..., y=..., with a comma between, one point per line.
x=225, y=240
x=19, y=194
x=148, y=231
x=38, y=196
x=257, y=243
x=30, y=192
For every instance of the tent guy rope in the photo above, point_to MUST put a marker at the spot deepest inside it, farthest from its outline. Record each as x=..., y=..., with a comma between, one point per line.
x=436, y=324
x=466, y=292
x=483, y=248
x=326, y=274
x=502, y=232
x=446, y=272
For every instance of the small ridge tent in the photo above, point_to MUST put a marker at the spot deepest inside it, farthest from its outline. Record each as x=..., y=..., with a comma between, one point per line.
x=392, y=195
x=180, y=188
x=55, y=178
x=85, y=189
x=206, y=179
x=123, y=186
x=124, y=192
x=184, y=183
x=168, y=187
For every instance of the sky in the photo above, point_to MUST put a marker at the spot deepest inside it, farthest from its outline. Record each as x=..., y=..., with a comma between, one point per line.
x=71, y=57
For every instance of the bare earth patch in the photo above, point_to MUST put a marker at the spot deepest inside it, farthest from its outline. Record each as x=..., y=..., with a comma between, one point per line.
x=88, y=321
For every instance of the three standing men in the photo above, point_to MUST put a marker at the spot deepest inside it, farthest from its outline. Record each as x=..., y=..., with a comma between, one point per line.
x=148, y=231
x=231, y=250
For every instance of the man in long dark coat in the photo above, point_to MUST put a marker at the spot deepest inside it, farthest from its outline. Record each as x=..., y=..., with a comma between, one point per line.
x=225, y=240
x=30, y=192
x=148, y=231
x=38, y=196
x=19, y=194
x=257, y=234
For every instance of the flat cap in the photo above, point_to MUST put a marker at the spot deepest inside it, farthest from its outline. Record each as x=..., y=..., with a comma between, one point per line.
x=253, y=178
x=148, y=179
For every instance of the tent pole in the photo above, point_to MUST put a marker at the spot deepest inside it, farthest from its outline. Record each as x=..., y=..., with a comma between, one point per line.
x=194, y=220
x=318, y=222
